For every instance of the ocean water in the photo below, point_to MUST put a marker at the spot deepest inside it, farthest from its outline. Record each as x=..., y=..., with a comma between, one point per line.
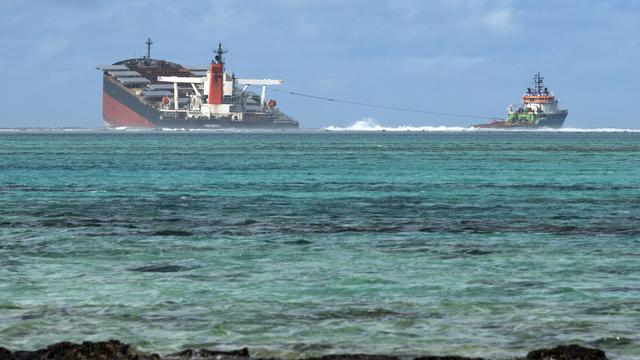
x=304, y=243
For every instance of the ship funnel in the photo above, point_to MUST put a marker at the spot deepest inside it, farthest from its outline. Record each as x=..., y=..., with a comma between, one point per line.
x=216, y=75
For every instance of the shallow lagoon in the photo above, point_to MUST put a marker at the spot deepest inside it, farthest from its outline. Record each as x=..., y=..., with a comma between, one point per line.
x=306, y=243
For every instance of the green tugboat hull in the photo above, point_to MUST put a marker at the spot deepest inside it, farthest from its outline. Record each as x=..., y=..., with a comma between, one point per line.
x=552, y=121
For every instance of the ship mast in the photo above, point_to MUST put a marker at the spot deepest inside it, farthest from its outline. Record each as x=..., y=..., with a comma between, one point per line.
x=538, y=83
x=219, y=52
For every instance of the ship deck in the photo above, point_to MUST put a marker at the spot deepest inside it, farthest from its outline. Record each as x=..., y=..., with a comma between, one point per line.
x=153, y=68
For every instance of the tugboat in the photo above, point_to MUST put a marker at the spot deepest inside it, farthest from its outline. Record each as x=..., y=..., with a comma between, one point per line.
x=538, y=110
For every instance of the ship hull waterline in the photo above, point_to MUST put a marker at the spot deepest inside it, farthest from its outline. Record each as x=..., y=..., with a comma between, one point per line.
x=545, y=121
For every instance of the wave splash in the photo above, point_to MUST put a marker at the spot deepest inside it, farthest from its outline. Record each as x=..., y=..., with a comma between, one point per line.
x=369, y=124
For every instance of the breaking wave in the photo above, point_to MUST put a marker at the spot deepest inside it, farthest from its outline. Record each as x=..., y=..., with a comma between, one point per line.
x=369, y=124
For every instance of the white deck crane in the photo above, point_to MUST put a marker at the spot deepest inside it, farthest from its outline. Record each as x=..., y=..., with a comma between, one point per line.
x=205, y=80
x=182, y=80
x=264, y=83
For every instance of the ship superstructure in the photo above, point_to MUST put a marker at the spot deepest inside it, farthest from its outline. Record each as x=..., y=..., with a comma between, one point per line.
x=539, y=109
x=151, y=93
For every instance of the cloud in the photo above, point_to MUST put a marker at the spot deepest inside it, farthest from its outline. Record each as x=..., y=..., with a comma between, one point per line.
x=220, y=14
x=444, y=17
x=442, y=65
x=499, y=20
x=408, y=9
x=343, y=74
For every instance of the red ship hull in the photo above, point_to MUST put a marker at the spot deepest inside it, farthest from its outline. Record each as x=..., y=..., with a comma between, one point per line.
x=116, y=114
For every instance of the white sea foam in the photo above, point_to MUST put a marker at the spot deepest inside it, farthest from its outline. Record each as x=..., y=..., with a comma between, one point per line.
x=368, y=124
x=127, y=128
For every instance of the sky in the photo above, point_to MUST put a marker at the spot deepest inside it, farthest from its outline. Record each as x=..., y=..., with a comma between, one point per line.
x=456, y=56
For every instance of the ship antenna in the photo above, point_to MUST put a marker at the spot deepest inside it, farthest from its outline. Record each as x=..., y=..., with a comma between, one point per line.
x=219, y=52
x=538, y=81
x=149, y=43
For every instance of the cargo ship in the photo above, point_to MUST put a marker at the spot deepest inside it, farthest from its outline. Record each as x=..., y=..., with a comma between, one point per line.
x=152, y=93
x=539, y=109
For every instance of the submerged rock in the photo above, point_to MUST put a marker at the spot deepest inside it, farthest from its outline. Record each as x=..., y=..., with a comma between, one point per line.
x=172, y=233
x=567, y=352
x=160, y=268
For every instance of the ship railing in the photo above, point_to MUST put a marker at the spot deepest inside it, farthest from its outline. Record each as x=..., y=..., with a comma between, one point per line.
x=174, y=111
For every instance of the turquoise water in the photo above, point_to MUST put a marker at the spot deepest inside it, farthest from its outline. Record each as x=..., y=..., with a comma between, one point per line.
x=298, y=244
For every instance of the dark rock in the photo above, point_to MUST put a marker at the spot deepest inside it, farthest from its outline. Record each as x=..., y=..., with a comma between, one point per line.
x=197, y=354
x=109, y=350
x=567, y=352
x=115, y=350
x=355, y=357
x=4, y=353
x=446, y=357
